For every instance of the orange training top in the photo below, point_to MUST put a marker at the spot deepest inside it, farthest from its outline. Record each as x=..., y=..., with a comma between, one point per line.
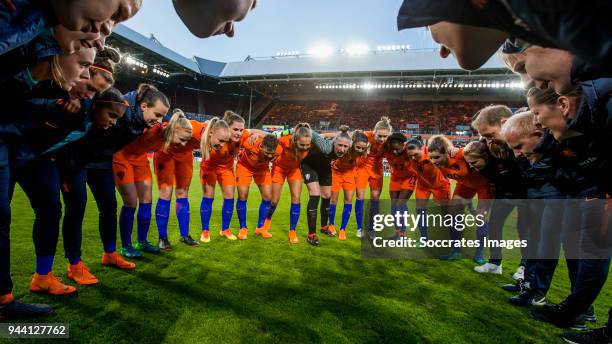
x=251, y=156
x=428, y=175
x=347, y=163
x=151, y=140
x=287, y=159
x=459, y=170
x=399, y=165
x=186, y=153
x=224, y=157
x=375, y=155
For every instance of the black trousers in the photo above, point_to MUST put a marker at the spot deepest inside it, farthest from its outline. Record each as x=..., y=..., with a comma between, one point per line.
x=500, y=210
x=6, y=284
x=74, y=192
x=40, y=181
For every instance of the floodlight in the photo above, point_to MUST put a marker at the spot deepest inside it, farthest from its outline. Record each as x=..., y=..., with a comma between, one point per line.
x=357, y=49
x=321, y=50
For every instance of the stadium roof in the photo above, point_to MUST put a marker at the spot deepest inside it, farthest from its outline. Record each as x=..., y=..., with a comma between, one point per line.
x=380, y=62
x=155, y=47
x=301, y=67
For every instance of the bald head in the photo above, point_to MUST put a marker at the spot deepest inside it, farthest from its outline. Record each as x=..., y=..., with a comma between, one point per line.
x=522, y=135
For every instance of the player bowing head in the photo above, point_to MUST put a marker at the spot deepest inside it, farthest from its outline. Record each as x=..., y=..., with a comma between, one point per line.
x=359, y=149
x=254, y=165
x=476, y=154
x=452, y=163
x=153, y=103
x=216, y=167
x=100, y=75
x=429, y=180
x=370, y=169
x=294, y=148
x=343, y=178
x=108, y=107
x=403, y=179
x=174, y=169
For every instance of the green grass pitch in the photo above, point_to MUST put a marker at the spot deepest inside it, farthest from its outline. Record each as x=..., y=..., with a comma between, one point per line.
x=268, y=291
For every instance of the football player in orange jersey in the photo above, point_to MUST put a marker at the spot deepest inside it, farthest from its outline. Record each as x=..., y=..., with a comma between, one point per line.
x=360, y=150
x=295, y=148
x=132, y=172
x=173, y=164
x=470, y=183
x=430, y=181
x=344, y=176
x=403, y=179
x=216, y=166
x=370, y=169
x=220, y=168
x=254, y=164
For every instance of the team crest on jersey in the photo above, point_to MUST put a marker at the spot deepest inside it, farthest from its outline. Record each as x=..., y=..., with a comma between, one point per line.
x=568, y=153
x=455, y=166
x=307, y=176
x=120, y=175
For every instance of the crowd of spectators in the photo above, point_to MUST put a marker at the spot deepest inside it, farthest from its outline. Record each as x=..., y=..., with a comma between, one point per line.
x=411, y=116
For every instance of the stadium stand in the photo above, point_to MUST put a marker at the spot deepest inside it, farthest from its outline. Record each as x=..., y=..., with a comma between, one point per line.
x=413, y=117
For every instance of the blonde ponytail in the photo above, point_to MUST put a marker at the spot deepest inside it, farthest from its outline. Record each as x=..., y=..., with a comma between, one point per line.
x=178, y=121
x=383, y=124
x=301, y=130
x=205, y=146
x=230, y=117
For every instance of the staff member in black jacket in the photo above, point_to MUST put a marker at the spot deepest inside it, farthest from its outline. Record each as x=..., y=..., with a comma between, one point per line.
x=37, y=137
x=502, y=168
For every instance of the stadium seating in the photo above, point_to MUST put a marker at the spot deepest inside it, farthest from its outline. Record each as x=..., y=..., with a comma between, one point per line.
x=431, y=117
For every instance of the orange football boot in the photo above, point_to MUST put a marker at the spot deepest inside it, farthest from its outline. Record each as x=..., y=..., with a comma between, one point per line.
x=293, y=237
x=243, y=234
x=264, y=231
x=116, y=260
x=80, y=274
x=205, y=237
x=50, y=284
x=227, y=233
x=331, y=229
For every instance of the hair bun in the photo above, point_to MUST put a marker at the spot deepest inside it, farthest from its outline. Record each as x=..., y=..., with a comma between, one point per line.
x=110, y=53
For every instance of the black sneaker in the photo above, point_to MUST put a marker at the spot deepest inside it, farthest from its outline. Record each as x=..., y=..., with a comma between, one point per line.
x=313, y=241
x=557, y=315
x=597, y=336
x=517, y=287
x=589, y=314
x=528, y=298
x=188, y=240
x=17, y=309
x=164, y=244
